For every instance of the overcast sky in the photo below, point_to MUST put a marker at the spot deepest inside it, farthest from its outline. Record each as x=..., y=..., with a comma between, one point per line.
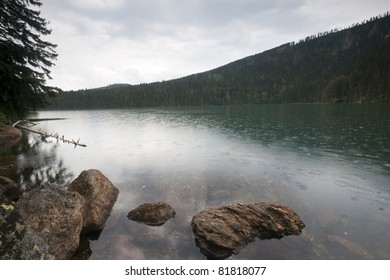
x=102, y=42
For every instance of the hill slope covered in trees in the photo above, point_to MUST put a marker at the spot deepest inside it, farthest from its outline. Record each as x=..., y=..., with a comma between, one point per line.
x=351, y=65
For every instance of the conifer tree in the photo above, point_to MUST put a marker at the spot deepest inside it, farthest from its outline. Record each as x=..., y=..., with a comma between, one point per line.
x=25, y=58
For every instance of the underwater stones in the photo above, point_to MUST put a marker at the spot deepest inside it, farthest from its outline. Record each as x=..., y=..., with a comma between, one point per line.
x=56, y=215
x=99, y=194
x=351, y=247
x=223, y=231
x=153, y=214
x=123, y=249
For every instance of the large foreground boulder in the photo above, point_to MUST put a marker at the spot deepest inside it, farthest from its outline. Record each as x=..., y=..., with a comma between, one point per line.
x=17, y=240
x=153, y=214
x=99, y=194
x=56, y=215
x=221, y=232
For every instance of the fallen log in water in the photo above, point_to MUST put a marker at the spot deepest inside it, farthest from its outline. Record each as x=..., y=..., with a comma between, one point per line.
x=45, y=134
x=45, y=119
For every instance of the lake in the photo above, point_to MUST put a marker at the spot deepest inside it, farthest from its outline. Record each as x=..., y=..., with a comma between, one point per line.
x=330, y=163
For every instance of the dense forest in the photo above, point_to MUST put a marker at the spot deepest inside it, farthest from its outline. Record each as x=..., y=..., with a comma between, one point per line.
x=349, y=65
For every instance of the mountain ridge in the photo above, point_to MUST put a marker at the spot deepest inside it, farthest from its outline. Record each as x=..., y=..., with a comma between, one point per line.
x=349, y=65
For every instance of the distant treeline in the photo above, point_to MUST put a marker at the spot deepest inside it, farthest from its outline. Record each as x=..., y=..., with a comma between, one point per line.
x=351, y=65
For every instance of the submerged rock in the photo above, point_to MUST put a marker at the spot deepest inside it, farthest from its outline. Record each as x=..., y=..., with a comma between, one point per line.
x=6, y=185
x=221, y=232
x=123, y=249
x=56, y=215
x=9, y=136
x=10, y=189
x=153, y=214
x=17, y=240
x=99, y=194
x=351, y=247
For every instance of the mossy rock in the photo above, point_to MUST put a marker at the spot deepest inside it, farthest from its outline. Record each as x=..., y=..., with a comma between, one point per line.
x=17, y=240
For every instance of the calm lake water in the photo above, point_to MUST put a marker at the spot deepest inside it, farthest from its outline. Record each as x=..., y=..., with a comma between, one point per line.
x=329, y=163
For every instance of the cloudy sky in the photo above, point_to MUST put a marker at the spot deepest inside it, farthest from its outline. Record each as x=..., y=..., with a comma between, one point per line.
x=102, y=42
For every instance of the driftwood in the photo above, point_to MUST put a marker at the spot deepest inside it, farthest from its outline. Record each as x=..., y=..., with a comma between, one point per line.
x=47, y=135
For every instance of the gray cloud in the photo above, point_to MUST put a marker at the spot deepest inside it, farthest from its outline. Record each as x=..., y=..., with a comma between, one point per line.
x=102, y=42
x=137, y=19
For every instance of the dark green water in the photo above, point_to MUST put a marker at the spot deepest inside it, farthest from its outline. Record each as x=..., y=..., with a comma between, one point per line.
x=330, y=163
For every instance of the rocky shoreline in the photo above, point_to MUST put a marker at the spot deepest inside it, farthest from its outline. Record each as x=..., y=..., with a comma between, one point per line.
x=48, y=222
x=57, y=216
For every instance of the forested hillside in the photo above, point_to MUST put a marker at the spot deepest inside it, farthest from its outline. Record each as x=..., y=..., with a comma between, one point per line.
x=351, y=65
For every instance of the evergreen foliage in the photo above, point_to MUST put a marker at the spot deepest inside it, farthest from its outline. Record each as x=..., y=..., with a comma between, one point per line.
x=25, y=58
x=350, y=65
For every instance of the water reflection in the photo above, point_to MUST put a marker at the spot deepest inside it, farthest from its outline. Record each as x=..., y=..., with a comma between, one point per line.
x=84, y=251
x=329, y=163
x=35, y=163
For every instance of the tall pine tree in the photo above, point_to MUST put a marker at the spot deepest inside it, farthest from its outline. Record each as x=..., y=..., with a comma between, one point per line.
x=25, y=58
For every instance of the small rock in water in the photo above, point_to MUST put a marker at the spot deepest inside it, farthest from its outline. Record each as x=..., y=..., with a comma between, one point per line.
x=152, y=214
x=221, y=232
